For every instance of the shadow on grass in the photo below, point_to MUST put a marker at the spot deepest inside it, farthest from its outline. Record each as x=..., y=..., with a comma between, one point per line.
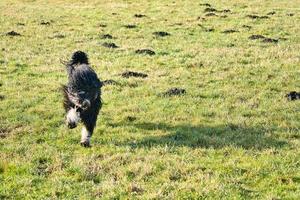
x=207, y=137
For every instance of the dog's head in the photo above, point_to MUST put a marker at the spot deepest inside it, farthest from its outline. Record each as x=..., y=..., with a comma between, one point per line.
x=79, y=57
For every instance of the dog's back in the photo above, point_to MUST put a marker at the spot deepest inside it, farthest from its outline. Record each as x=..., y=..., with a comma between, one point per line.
x=81, y=76
x=84, y=83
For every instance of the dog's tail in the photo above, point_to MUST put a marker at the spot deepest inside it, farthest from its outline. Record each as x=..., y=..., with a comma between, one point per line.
x=79, y=57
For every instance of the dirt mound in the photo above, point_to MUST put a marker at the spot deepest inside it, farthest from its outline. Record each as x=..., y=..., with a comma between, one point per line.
x=2, y=97
x=4, y=132
x=130, y=26
x=263, y=39
x=110, y=45
x=106, y=36
x=293, y=96
x=210, y=30
x=271, y=13
x=109, y=82
x=210, y=14
x=205, y=4
x=130, y=118
x=45, y=23
x=174, y=92
x=161, y=34
x=210, y=10
x=145, y=51
x=58, y=36
x=128, y=74
x=256, y=37
x=246, y=26
x=177, y=24
x=13, y=33
x=270, y=40
x=230, y=31
x=225, y=11
x=20, y=24
x=102, y=25
x=139, y=15
x=257, y=17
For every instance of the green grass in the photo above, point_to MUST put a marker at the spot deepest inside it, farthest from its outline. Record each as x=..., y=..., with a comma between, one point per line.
x=233, y=135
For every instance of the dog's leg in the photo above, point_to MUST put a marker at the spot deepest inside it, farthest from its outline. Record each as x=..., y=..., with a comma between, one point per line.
x=89, y=118
x=85, y=137
x=87, y=130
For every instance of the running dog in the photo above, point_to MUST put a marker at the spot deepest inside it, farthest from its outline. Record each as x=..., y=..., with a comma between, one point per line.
x=82, y=96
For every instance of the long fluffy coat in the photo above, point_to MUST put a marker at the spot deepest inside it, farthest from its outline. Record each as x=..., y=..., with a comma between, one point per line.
x=82, y=95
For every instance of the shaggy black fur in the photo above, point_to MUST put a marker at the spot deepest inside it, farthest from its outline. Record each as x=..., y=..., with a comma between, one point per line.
x=82, y=93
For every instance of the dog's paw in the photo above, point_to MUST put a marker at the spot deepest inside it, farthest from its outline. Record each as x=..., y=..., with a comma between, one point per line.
x=85, y=144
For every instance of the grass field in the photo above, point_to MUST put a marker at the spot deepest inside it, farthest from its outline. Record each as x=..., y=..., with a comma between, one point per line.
x=232, y=135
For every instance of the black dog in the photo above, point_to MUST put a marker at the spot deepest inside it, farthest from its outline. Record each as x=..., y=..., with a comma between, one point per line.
x=82, y=95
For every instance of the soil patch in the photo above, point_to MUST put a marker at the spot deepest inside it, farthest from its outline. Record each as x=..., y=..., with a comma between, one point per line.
x=4, y=132
x=139, y=15
x=271, y=13
x=58, y=36
x=210, y=10
x=257, y=17
x=256, y=37
x=270, y=40
x=225, y=11
x=263, y=39
x=13, y=33
x=128, y=74
x=45, y=23
x=205, y=4
x=230, y=31
x=130, y=118
x=161, y=34
x=178, y=24
x=130, y=26
x=246, y=26
x=106, y=36
x=110, y=45
x=210, y=30
x=145, y=51
x=109, y=82
x=174, y=92
x=210, y=14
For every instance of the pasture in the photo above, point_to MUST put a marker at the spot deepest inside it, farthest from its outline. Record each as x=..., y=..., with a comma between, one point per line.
x=226, y=132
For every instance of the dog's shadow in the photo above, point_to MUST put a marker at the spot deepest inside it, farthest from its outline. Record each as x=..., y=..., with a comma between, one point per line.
x=205, y=136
